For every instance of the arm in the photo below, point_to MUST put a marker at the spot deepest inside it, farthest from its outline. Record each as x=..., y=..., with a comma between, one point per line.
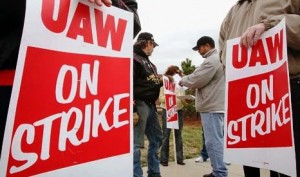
x=222, y=35
x=292, y=17
x=222, y=38
x=200, y=77
x=292, y=26
x=131, y=6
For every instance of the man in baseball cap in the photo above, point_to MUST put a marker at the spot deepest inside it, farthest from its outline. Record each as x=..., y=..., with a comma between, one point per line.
x=204, y=40
x=209, y=81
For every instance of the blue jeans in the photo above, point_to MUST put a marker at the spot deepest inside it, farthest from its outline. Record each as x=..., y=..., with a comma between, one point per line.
x=149, y=125
x=213, y=127
x=164, y=153
x=203, y=152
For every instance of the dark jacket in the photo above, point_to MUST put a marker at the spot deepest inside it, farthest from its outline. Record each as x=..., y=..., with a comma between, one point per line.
x=145, y=79
x=11, y=22
x=131, y=6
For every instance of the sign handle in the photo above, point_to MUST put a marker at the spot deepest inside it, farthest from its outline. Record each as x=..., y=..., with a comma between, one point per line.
x=174, y=143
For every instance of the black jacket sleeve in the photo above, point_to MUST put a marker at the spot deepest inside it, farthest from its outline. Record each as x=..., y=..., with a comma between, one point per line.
x=131, y=6
x=11, y=20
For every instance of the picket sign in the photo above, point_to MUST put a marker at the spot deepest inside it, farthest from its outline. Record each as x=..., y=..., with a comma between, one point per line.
x=70, y=109
x=171, y=112
x=170, y=103
x=258, y=104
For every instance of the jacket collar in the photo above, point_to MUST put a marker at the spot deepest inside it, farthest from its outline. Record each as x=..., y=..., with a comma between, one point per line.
x=209, y=53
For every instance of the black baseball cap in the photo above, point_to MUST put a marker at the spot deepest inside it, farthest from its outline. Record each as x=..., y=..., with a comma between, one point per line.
x=204, y=40
x=147, y=37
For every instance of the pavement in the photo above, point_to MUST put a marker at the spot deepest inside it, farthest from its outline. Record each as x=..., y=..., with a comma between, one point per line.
x=193, y=169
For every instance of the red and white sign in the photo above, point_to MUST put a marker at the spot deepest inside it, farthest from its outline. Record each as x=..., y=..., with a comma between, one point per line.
x=170, y=97
x=70, y=109
x=259, y=117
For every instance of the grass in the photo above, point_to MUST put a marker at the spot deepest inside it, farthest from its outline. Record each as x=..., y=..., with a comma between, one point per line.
x=192, y=141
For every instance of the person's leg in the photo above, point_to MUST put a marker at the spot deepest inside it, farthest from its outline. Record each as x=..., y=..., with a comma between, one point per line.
x=137, y=164
x=251, y=171
x=139, y=131
x=178, y=138
x=273, y=174
x=276, y=174
x=282, y=175
x=204, y=153
x=164, y=152
x=295, y=99
x=154, y=135
x=5, y=92
x=213, y=126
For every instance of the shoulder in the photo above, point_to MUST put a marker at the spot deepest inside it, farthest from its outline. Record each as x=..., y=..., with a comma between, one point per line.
x=138, y=58
x=214, y=56
x=212, y=61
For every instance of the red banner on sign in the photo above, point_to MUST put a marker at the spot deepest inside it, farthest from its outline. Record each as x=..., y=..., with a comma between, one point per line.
x=264, y=114
x=71, y=109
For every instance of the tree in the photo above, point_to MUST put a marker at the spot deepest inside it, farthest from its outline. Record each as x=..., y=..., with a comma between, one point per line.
x=189, y=108
x=187, y=66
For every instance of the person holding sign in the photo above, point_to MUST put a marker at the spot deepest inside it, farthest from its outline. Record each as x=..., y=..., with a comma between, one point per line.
x=209, y=82
x=146, y=87
x=12, y=19
x=249, y=19
x=179, y=91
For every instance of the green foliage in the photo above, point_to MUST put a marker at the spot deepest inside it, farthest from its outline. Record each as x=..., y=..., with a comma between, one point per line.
x=189, y=108
x=187, y=66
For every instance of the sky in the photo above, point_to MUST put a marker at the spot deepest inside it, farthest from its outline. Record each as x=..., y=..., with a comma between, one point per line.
x=177, y=25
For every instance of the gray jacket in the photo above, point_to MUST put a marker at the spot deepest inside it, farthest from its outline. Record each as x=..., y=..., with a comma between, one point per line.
x=269, y=12
x=209, y=81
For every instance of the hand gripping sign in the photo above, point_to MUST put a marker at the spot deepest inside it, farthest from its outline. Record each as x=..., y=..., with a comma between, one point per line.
x=258, y=104
x=70, y=109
